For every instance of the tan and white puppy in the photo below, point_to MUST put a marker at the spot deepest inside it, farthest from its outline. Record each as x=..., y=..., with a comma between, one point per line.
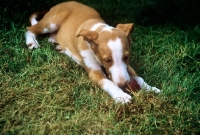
x=91, y=43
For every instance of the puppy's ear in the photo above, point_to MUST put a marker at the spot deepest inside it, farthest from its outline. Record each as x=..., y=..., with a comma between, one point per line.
x=127, y=28
x=89, y=36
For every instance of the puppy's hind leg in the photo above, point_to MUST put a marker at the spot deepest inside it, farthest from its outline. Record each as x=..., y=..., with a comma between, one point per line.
x=52, y=38
x=44, y=26
x=53, y=41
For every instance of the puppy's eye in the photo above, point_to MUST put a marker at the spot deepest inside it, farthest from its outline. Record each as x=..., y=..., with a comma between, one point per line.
x=108, y=60
x=125, y=58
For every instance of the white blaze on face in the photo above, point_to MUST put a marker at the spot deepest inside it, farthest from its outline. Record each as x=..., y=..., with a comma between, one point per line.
x=118, y=70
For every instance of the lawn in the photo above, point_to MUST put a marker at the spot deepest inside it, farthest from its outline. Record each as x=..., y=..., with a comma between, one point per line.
x=45, y=92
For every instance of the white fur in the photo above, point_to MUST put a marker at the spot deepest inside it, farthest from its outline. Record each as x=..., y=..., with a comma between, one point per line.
x=119, y=69
x=115, y=92
x=45, y=30
x=97, y=25
x=67, y=52
x=105, y=28
x=33, y=20
x=90, y=60
x=51, y=40
x=31, y=40
x=89, y=46
x=143, y=84
x=52, y=28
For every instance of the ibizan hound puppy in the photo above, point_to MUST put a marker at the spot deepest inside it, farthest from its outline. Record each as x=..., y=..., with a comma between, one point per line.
x=90, y=42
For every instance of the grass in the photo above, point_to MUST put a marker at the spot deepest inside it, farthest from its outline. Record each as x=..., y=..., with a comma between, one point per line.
x=44, y=92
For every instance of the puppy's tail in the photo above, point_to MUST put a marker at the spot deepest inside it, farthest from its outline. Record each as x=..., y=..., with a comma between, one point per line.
x=37, y=16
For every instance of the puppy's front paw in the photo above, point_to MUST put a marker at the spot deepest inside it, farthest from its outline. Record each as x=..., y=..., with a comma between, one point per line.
x=115, y=92
x=155, y=89
x=122, y=97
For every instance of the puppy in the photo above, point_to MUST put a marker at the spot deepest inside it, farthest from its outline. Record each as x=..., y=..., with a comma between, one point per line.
x=82, y=34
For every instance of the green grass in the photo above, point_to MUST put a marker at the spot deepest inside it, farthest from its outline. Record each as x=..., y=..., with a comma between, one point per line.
x=44, y=92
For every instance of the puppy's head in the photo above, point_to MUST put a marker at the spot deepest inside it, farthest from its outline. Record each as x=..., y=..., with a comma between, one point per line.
x=112, y=49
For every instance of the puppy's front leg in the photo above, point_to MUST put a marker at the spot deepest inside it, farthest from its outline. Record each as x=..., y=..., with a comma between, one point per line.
x=131, y=71
x=141, y=81
x=143, y=84
x=114, y=91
